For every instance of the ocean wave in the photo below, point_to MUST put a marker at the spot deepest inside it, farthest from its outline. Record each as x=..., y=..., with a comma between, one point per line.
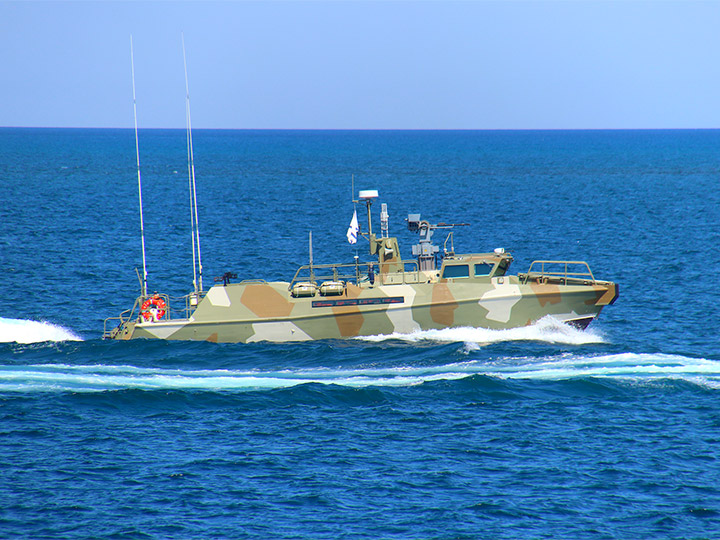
x=625, y=366
x=547, y=329
x=27, y=331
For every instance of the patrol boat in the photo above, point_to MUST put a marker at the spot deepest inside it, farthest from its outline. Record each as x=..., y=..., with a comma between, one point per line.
x=385, y=295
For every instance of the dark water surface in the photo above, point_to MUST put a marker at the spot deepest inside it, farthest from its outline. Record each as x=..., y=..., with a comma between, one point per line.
x=539, y=432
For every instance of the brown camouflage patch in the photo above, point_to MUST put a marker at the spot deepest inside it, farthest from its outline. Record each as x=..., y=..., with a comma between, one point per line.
x=348, y=318
x=388, y=262
x=546, y=293
x=610, y=295
x=385, y=266
x=213, y=338
x=264, y=301
x=349, y=321
x=352, y=291
x=603, y=296
x=443, y=306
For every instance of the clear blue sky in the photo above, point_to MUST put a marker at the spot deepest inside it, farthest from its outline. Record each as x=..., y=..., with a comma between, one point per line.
x=344, y=64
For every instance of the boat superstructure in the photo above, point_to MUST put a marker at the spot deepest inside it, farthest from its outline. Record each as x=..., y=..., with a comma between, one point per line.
x=436, y=289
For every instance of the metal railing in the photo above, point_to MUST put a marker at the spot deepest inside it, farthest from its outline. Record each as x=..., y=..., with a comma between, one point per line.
x=452, y=244
x=562, y=274
x=356, y=272
x=171, y=311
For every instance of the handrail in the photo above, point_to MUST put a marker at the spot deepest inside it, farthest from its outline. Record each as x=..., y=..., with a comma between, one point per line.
x=124, y=317
x=564, y=273
x=135, y=313
x=121, y=320
x=452, y=244
x=357, y=275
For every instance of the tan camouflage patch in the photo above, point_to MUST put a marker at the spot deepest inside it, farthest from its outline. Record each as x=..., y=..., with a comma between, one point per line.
x=609, y=296
x=387, y=256
x=350, y=321
x=443, y=306
x=353, y=291
x=604, y=295
x=348, y=318
x=546, y=293
x=264, y=301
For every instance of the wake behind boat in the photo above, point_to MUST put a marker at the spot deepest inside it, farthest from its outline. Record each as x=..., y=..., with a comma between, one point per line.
x=384, y=295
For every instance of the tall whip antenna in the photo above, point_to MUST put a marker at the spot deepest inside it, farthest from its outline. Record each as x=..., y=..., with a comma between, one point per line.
x=197, y=278
x=137, y=155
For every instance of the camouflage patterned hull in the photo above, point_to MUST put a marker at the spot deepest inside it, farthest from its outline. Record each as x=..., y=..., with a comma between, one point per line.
x=259, y=311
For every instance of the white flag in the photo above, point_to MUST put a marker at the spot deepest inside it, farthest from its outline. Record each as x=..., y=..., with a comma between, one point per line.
x=353, y=229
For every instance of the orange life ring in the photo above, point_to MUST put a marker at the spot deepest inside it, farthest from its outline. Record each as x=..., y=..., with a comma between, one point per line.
x=153, y=309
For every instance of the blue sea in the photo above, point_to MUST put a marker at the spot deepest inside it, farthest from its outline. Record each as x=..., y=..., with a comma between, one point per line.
x=540, y=432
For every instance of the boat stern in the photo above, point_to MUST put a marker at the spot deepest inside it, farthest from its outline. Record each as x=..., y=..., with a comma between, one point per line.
x=123, y=331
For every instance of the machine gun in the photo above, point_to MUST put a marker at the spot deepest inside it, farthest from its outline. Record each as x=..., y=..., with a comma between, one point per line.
x=425, y=250
x=225, y=278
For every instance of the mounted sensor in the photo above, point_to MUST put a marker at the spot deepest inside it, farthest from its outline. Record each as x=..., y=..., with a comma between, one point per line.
x=367, y=194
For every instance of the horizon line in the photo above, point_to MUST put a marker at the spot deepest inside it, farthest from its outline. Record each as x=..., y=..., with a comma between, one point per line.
x=130, y=128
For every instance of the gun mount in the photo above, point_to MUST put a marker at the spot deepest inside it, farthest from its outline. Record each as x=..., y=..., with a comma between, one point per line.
x=425, y=250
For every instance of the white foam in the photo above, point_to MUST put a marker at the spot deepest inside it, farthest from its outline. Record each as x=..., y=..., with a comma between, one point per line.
x=25, y=331
x=546, y=329
x=624, y=365
x=100, y=377
x=634, y=367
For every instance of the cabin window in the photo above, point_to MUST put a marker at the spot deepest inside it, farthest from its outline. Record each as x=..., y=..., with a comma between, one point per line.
x=483, y=269
x=456, y=271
